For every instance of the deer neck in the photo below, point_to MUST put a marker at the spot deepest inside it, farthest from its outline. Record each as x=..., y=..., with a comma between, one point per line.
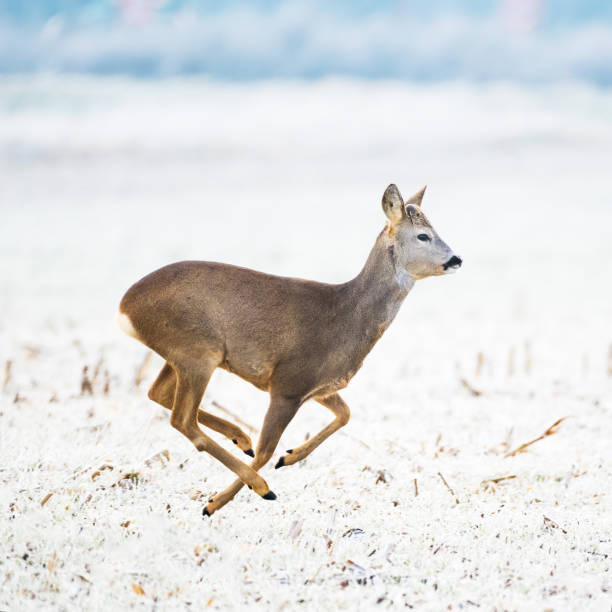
x=377, y=293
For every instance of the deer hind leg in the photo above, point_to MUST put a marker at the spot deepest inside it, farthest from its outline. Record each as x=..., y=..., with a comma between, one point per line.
x=337, y=405
x=162, y=391
x=187, y=397
x=279, y=414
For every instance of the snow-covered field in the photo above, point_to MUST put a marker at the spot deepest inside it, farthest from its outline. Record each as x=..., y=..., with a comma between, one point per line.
x=102, y=181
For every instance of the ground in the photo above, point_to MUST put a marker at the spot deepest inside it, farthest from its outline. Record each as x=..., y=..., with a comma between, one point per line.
x=420, y=501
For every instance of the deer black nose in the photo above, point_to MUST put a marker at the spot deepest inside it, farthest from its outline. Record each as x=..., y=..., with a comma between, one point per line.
x=453, y=262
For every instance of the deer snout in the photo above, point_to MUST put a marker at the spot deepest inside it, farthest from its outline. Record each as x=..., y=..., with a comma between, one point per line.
x=454, y=263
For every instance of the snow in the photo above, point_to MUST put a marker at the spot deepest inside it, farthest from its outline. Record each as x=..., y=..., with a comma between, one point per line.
x=106, y=179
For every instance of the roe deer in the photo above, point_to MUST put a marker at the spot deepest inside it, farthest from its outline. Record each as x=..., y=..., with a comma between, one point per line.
x=297, y=339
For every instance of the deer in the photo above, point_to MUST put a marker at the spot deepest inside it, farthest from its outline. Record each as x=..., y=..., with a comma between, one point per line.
x=296, y=339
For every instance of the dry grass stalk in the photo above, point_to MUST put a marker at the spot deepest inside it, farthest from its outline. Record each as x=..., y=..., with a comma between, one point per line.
x=359, y=441
x=97, y=370
x=106, y=466
x=528, y=359
x=296, y=529
x=553, y=429
x=448, y=487
x=45, y=499
x=496, y=480
x=416, y=488
x=128, y=479
x=472, y=390
x=550, y=523
x=234, y=416
x=511, y=362
x=479, y=364
x=106, y=382
x=142, y=370
x=86, y=386
x=163, y=457
x=137, y=589
x=31, y=352
x=7, y=374
x=507, y=443
x=490, y=483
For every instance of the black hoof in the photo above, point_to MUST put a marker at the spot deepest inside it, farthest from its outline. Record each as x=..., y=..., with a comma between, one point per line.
x=205, y=512
x=235, y=441
x=289, y=451
x=250, y=487
x=249, y=452
x=269, y=495
x=279, y=463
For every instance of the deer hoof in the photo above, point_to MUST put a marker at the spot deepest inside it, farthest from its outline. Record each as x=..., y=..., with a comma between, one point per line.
x=280, y=463
x=269, y=495
x=205, y=512
x=249, y=452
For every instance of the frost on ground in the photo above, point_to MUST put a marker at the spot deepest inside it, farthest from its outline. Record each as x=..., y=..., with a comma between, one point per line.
x=420, y=501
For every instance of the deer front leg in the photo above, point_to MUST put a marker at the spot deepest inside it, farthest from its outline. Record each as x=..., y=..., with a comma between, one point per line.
x=189, y=390
x=337, y=405
x=162, y=391
x=279, y=414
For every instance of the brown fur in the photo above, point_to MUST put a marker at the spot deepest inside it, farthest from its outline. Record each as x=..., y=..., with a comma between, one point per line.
x=296, y=339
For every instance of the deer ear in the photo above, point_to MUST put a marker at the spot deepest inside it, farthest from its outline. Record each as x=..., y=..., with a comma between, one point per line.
x=393, y=204
x=417, y=197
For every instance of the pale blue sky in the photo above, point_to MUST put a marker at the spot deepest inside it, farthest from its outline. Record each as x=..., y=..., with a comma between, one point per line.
x=526, y=40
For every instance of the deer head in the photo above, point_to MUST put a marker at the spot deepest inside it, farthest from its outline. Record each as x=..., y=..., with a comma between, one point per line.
x=416, y=248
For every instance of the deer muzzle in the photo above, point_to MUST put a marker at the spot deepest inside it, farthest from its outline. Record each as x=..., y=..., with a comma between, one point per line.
x=454, y=263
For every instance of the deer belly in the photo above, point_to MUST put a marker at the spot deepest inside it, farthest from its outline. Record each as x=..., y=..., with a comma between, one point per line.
x=256, y=373
x=330, y=386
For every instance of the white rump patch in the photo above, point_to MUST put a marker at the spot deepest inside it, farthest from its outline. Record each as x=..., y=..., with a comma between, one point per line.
x=125, y=325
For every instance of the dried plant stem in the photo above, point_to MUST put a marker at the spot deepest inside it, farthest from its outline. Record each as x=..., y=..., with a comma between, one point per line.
x=86, y=383
x=448, y=487
x=7, y=374
x=97, y=370
x=550, y=523
x=553, y=429
x=472, y=390
x=142, y=370
x=489, y=484
x=511, y=362
x=416, y=488
x=479, y=364
x=234, y=416
x=359, y=441
x=496, y=480
x=528, y=359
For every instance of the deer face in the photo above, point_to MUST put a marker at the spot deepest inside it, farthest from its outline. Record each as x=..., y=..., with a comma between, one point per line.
x=417, y=249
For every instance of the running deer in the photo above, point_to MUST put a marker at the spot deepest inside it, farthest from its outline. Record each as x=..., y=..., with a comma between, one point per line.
x=296, y=339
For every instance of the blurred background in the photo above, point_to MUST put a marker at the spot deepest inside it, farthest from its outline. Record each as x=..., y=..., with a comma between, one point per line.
x=530, y=40
x=138, y=132
x=135, y=133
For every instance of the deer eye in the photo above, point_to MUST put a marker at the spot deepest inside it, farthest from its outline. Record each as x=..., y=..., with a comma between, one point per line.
x=423, y=237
